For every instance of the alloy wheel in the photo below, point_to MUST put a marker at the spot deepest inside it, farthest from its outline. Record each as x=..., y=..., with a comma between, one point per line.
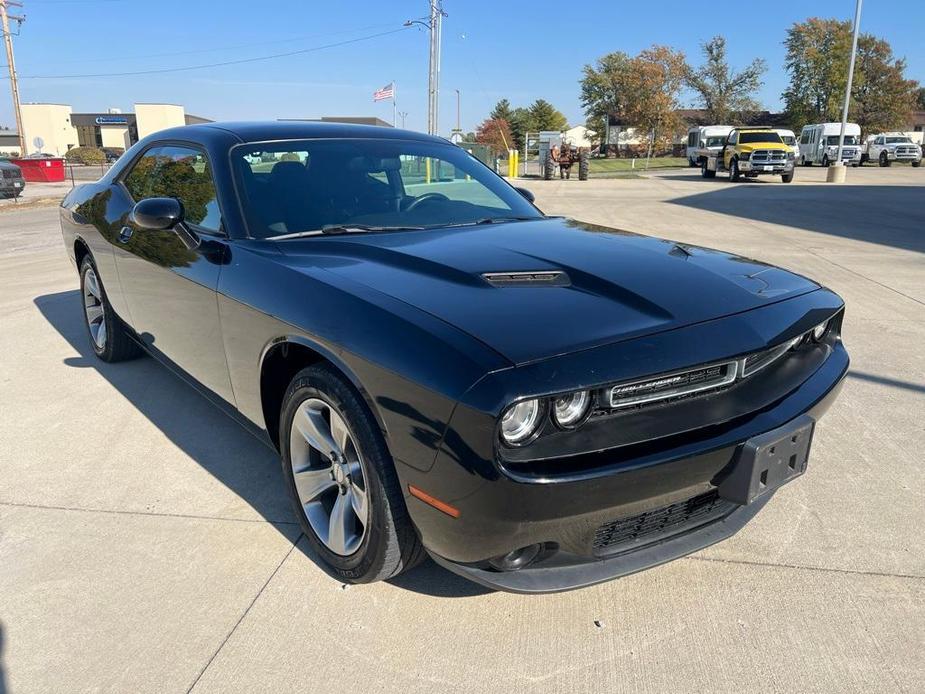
x=94, y=310
x=329, y=476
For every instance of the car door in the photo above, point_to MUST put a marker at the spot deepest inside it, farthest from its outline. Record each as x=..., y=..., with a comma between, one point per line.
x=729, y=149
x=170, y=288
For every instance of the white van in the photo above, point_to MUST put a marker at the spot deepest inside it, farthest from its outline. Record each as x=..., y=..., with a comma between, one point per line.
x=704, y=139
x=789, y=138
x=819, y=144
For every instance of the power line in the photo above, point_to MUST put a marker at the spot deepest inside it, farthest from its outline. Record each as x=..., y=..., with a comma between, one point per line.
x=221, y=64
x=233, y=46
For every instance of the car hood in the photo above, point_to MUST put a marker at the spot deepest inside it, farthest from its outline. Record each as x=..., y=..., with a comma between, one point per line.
x=616, y=285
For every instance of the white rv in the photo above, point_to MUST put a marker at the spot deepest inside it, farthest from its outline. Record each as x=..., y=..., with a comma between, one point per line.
x=819, y=144
x=705, y=139
x=789, y=139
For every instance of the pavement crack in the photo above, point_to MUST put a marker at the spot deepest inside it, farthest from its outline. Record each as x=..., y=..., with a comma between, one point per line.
x=823, y=569
x=244, y=614
x=119, y=512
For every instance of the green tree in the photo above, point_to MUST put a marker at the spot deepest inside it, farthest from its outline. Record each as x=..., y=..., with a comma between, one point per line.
x=725, y=94
x=545, y=116
x=655, y=80
x=502, y=111
x=818, y=53
x=920, y=99
x=604, y=90
x=521, y=123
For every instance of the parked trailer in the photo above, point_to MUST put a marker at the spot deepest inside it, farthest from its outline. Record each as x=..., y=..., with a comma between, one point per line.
x=704, y=139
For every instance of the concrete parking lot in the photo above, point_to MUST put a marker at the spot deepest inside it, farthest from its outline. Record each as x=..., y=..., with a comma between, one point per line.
x=146, y=544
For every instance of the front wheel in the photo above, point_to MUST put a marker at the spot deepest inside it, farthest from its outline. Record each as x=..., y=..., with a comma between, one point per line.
x=734, y=170
x=884, y=159
x=342, y=480
x=705, y=171
x=109, y=337
x=917, y=164
x=787, y=177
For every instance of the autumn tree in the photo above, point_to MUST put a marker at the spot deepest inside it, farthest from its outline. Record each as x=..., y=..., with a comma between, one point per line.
x=495, y=132
x=920, y=99
x=726, y=95
x=818, y=54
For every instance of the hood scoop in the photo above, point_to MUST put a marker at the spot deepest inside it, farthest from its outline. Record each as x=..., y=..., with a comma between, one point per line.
x=532, y=278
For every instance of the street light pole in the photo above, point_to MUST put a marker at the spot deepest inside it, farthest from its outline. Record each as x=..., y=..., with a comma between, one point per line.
x=14, y=84
x=838, y=174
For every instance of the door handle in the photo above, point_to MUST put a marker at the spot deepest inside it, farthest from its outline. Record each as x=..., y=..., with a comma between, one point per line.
x=125, y=234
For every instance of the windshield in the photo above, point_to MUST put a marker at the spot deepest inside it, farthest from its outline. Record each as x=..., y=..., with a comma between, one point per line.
x=715, y=141
x=832, y=140
x=898, y=140
x=764, y=136
x=788, y=139
x=291, y=187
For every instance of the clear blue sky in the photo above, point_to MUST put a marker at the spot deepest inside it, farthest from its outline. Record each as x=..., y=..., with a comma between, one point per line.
x=490, y=50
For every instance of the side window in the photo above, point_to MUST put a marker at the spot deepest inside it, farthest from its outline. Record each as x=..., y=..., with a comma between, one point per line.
x=804, y=137
x=174, y=171
x=691, y=139
x=138, y=178
x=733, y=137
x=879, y=141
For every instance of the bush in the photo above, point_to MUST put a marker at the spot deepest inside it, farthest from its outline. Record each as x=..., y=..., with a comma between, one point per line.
x=289, y=156
x=85, y=155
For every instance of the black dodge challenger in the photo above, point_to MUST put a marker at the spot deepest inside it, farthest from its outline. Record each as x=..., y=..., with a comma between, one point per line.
x=537, y=403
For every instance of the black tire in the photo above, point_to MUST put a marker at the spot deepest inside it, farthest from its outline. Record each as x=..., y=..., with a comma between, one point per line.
x=916, y=164
x=863, y=160
x=549, y=169
x=391, y=544
x=825, y=160
x=118, y=345
x=706, y=172
x=787, y=177
x=734, y=174
x=584, y=165
x=884, y=159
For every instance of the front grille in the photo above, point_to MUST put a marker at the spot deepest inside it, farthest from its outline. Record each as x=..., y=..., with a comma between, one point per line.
x=630, y=533
x=906, y=152
x=674, y=385
x=9, y=173
x=769, y=156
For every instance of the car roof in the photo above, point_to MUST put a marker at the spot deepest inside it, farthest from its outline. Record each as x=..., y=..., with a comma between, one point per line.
x=262, y=131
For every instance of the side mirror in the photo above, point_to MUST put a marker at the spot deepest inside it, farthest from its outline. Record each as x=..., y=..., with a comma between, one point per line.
x=528, y=194
x=162, y=214
x=157, y=213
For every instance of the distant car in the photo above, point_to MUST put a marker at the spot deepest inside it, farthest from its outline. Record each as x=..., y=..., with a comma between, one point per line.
x=538, y=403
x=12, y=183
x=40, y=155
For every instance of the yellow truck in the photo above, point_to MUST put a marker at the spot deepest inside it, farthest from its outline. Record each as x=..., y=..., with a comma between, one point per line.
x=751, y=152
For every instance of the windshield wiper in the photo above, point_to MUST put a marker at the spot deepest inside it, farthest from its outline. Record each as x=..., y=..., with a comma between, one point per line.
x=493, y=220
x=335, y=229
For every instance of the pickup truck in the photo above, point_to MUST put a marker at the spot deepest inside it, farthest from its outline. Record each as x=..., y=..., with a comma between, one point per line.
x=12, y=183
x=751, y=152
x=889, y=147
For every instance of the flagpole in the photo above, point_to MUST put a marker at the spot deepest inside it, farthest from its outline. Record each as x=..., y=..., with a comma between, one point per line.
x=394, y=108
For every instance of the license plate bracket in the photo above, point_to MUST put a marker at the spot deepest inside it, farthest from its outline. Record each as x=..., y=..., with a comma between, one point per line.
x=769, y=461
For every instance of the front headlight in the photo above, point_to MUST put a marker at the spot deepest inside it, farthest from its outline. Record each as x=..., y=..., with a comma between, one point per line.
x=521, y=420
x=745, y=156
x=819, y=331
x=569, y=410
x=791, y=156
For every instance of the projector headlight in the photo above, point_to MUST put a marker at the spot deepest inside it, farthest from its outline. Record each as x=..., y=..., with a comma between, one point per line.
x=521, y=420
x=819, y=331
x=569, y=410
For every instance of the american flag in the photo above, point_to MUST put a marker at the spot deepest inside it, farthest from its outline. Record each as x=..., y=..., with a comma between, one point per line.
x=387, y=92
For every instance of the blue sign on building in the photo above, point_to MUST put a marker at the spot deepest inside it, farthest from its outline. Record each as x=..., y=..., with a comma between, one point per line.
x=111, y=120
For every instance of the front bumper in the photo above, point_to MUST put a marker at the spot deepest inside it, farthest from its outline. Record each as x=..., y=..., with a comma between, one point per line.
x=903, y=156
x=502, y=509
x=773, y=168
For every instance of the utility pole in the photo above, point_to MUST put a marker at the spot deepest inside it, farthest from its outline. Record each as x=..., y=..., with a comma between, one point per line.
x=14, y=85
x=844, y=113
x=402, y=115
x=434, y=24
x=457, y=131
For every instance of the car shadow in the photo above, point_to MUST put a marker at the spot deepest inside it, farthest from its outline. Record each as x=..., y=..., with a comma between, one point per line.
x=240, y=461
x=885, y=215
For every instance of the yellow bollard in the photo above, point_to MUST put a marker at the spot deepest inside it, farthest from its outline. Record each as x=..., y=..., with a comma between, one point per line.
x=516, y=163
x=427, y=170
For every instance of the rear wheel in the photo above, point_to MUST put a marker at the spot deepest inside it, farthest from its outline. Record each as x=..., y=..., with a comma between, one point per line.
x=705, y=171
x=884, y=159
x=825, y=160
x=342, y=480
x=584, y=165
x=109, y=337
